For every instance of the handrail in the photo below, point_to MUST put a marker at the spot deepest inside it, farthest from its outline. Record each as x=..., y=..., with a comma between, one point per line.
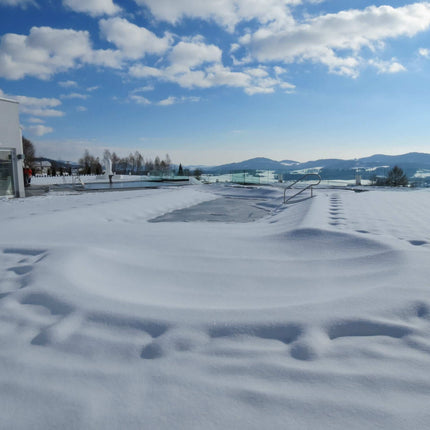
x=76, y=179
x=303, y=189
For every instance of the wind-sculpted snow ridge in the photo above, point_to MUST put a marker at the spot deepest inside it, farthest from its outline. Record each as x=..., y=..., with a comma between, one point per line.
x=315, y=315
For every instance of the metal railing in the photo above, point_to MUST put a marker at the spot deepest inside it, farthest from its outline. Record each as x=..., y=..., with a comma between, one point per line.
x=309, y=186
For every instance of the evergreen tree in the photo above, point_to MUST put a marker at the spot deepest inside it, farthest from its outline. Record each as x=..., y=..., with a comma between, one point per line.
x=180, y=170
x=396, y=178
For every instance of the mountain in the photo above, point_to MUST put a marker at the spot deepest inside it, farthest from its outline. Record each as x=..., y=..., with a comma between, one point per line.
x=333, y=167
x=259, y=163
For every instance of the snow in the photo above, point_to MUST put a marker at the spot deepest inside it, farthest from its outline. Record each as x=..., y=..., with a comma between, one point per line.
x=215, y=307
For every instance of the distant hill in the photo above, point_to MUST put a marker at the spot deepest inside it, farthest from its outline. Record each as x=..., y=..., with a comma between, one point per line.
x=259, y=163
x=58, y=163
x=333, y=167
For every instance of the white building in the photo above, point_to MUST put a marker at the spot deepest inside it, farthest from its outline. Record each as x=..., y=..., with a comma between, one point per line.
x=11, y=153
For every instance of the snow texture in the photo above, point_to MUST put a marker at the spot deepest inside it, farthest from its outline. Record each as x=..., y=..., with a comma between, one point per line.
x=215, y=307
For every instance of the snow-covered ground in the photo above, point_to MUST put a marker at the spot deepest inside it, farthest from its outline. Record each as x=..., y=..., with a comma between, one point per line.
x=249, y=315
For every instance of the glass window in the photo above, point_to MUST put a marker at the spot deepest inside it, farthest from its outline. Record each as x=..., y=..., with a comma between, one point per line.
x=6, y=173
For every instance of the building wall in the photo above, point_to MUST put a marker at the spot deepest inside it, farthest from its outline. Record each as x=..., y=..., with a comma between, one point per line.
x=10, y=138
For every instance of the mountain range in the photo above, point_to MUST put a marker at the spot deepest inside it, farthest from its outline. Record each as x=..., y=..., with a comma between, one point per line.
x=411, y=163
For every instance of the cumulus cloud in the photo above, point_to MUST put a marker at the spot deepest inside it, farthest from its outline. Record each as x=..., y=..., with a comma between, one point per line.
x=133, y=41
x=39, y=130
x=392, y=66
x=215, y=74
x=42, y=53
x=93, y=7
x=336, y=39
x=187, y=55
x=192, y=63
x=227, y=13
x=46, y=51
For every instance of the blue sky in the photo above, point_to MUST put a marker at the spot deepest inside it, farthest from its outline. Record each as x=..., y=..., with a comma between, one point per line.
x=218, y=81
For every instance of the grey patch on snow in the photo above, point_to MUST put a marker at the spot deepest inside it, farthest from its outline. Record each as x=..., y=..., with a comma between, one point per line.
x=20, y=270
x=286, y=333
x=22, y=251
x=303, y=351
x=152, y=351
x=42, y=339
x=59, y=331
x=25, y=259
x=417, y=242
x=354, y=328
x=422, y=310
x=153, y=328
x=52, y=304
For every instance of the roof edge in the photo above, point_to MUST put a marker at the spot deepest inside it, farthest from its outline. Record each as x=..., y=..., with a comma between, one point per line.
x=9, y=100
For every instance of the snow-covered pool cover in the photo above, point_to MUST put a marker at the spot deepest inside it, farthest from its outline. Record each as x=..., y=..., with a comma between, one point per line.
x=314, y=316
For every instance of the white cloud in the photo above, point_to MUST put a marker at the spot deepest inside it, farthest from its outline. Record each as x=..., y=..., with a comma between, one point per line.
x=392, y=66
x=95, y=87
x=68, y=84
x=289, y=88
x=36, y=120
x=141, y=71
x=139, y=99
x=227, y=13
x=252, y=80
x=187, y=55
x=167, y=102
x=234, y=47
x=20, y=3
x=424, y=52
x=279, y=70
x=39, y=130
x=144, y=89
x=258, y=72
x=41, y=111
x=93, y=7
x=74, y=96
x=81, y=109
x=174, y=100
x=133, y=41
x=43, y=52
x=46, y=51
x=194, y=64
x=36, y=106
x=336, y=39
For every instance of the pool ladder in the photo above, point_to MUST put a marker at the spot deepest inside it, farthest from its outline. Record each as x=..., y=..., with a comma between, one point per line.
x=309, y=186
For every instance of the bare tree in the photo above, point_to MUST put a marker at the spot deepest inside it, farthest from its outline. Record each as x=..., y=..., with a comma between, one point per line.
x=29, y=152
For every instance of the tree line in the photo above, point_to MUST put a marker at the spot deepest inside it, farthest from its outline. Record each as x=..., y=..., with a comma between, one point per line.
x=134, y=164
